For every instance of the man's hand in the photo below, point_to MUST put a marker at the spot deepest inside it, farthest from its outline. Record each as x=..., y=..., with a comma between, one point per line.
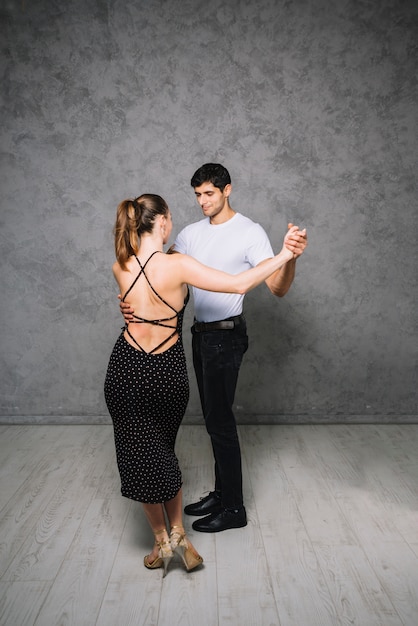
x=126, y=310
x=296, y=240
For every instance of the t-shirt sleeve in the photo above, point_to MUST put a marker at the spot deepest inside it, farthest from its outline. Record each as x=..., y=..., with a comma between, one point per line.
x=258, y=247
x=180, y=243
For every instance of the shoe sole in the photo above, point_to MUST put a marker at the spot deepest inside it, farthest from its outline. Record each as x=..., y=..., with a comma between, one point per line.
x=218, y=530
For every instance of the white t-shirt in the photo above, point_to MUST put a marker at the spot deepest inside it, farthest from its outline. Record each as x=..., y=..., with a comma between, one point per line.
x=234, y=246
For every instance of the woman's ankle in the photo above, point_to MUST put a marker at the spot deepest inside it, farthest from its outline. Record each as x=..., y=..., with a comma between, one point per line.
x=161, y=536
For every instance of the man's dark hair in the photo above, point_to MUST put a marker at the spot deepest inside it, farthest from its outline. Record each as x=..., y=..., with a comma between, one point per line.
x=213, y=173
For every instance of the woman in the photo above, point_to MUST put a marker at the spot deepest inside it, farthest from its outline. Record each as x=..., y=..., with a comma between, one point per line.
x=146, y=386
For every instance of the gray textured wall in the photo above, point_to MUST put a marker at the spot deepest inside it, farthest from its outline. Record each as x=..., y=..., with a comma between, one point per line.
x=312, y=105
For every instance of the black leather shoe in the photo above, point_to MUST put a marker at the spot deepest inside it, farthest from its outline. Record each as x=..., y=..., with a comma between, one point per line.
x=210, y=504
x=216, y=522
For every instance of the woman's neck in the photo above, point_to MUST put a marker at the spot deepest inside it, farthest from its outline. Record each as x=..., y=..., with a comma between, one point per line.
x=149, y=243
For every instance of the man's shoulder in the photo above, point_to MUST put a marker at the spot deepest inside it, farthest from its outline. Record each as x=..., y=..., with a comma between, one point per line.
x=199, y=225
x=244, y=219
x=189, y=236
x=247, y=224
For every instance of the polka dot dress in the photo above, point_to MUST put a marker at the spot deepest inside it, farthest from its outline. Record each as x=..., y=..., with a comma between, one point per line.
x=147, y=395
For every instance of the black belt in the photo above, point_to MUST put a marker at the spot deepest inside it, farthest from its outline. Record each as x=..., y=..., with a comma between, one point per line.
x=228, y=324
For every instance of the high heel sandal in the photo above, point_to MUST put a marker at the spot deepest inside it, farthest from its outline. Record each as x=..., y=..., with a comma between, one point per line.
x=181, y=546
x=165, y=554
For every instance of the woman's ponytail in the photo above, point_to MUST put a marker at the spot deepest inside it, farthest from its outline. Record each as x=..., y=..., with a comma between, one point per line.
x=126, y=231
x=134, y=217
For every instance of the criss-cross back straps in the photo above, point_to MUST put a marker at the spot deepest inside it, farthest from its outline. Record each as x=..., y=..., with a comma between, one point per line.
x=157, y=322
x=141, y=271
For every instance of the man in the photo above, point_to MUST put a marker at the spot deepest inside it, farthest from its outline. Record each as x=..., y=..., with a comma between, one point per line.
x=231, y=242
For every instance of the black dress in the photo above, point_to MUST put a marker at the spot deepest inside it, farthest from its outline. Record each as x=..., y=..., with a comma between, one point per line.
x=147, y=395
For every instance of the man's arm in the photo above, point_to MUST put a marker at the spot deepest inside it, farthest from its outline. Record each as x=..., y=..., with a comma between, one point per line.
x=280, y=282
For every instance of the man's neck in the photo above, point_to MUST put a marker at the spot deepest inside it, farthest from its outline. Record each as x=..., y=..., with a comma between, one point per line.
x=224, y=216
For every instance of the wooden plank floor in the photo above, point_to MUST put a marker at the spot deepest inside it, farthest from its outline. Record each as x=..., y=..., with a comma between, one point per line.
x=332, y=536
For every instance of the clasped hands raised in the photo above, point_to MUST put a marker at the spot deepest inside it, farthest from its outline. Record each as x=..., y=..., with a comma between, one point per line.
x=295, y=240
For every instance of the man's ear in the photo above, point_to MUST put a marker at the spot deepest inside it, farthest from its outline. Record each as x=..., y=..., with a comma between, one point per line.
x=227, y=190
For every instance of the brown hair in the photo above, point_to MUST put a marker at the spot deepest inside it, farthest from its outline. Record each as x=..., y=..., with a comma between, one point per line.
x=134, y=217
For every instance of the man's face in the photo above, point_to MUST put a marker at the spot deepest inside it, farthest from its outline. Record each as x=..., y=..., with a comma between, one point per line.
x=211, y=199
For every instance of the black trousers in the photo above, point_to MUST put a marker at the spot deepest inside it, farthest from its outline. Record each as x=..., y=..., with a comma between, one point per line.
x=217, y=358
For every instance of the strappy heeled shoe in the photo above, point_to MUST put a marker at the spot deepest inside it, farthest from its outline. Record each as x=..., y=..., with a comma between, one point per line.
x=181, y=546
x=165, y=554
